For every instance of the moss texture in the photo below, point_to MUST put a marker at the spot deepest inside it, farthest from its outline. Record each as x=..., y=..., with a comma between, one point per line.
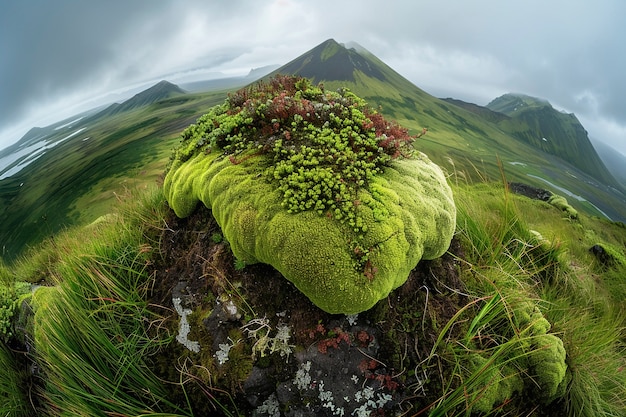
x=403, y=214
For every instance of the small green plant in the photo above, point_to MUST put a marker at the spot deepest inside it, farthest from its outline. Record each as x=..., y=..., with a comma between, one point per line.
x=561, y=203
x=324, y=145
x=239, y=264
x=217, y=237
x=9, y=296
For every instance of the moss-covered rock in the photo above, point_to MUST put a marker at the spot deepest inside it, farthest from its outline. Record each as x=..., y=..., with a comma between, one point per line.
x=504, y=382
x=344, y=255
x=546, y=355
x=547, y=361
x=561, y=203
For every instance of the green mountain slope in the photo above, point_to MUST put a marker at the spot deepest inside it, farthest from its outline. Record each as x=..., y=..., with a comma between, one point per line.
x=76, y=167
x=82, y=168
x=537, y=123
x=160, y=91
x=468, y=140
x=613, y=159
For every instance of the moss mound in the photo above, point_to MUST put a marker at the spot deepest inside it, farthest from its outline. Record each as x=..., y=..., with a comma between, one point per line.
x=317, y=185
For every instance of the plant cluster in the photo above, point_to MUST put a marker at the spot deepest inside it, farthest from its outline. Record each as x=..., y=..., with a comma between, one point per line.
x=323, y=146
x=9, y=296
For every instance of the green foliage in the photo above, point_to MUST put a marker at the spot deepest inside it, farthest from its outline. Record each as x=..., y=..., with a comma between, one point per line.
x=239, y=264
x=90, y=330
x=217, y=237
x=505, y=352
x=546, y=324
x=9, y=299
x=324, y=146
x=13, y=395
x=349, y=248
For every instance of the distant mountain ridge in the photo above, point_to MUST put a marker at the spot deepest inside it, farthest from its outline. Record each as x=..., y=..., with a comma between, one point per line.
x=86, y=155
x=613, y=159
x=536, y=122
x=471, y=136
x=160, y=91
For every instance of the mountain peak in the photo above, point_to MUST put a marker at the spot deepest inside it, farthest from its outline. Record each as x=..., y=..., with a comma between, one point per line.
x=512, y=102
x=332, y=61
x=160, y=91
x=554, y=132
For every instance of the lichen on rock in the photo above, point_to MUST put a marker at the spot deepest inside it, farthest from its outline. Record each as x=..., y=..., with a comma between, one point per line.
x=318, y=186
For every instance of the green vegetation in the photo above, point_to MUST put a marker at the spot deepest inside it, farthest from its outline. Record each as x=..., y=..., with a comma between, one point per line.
x=317, y=185
x=9, y=300
x=80, y=179
x=537, y=333
x=139, y=312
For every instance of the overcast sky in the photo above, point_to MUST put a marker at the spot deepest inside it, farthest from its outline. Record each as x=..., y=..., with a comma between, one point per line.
x=57, y=57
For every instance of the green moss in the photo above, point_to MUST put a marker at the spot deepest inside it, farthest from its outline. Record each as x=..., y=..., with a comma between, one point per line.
x=547, y=360
x=561, y=203
x=546, y=355
x=503, y=383
x=346, y=250
x=312, y=251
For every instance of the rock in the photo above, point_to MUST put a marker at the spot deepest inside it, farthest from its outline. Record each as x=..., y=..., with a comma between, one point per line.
x=530, y=191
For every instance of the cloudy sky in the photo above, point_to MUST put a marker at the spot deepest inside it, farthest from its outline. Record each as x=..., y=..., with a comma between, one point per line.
x=60, y=57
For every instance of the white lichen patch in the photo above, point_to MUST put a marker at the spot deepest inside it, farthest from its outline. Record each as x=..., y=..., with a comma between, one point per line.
x=303, y=378
x=352, y=319
x=224, y=349
x=260, y=330
x=271, y=407
x=183, y=327
x=362, y=403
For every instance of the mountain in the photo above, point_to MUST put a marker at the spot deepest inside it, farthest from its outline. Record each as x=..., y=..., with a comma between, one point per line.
x=72, y=172
x=614, y=160
x=472, y=141
x=228, y=83
x=160, y=91
x=537, y=123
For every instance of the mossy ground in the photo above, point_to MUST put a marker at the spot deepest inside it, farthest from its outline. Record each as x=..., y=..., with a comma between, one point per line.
x=433, y=342
x=190, y=254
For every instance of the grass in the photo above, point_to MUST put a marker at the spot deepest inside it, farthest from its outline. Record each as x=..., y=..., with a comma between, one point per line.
x=93, y=329
x=530, y=283
x=583, y=310
x=14, y=399
x=78, y=180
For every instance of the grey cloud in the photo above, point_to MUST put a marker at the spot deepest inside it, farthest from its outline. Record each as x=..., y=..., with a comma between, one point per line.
x=567, y=51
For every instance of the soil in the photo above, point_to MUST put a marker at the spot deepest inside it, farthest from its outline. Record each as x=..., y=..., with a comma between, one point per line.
x=383, y=352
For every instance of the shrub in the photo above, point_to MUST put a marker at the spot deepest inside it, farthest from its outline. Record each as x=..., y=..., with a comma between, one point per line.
x=317, y=185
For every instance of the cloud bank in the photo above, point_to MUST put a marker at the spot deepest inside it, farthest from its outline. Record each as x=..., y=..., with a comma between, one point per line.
x=57, y=57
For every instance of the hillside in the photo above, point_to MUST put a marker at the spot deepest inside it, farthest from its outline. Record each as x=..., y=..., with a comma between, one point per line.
x=469, y=141
x=146, y=313
x=72, y=172
x=160, y=91
x=613, y=159
x=111, y=304
x=537, y=123
x=466, y=140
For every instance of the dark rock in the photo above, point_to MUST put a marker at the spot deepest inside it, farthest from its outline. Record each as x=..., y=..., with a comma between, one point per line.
x=530, y=191
x=601, y=254
x=258, y=385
